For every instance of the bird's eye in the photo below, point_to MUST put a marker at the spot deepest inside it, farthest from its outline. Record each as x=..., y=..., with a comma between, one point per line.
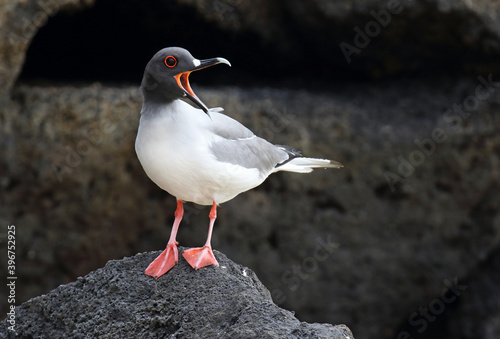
x=170, y=61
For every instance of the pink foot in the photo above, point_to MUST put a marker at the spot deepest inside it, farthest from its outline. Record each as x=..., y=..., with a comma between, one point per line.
x=164, y=262
x=200, y=257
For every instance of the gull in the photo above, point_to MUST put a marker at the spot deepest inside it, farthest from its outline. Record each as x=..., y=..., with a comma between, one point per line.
x=198, y=154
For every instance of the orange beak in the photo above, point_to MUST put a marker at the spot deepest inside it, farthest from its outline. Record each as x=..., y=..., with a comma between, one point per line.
x=182, y=80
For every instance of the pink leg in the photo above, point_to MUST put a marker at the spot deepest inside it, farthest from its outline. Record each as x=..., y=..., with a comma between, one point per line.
x=169, y=257
x=203, y=256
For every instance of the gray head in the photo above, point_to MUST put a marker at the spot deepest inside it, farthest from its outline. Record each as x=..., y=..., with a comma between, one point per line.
x=166, y=76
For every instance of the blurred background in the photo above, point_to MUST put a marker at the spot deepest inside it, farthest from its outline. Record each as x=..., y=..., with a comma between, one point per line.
x=403, y=242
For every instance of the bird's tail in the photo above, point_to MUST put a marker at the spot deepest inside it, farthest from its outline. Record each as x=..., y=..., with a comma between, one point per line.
x=306, y=165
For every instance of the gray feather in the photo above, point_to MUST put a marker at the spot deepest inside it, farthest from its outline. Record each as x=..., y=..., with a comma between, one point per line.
x=249, y=153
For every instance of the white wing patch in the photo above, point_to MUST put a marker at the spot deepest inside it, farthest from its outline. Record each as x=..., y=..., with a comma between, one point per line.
x=216, y=109
x=242, y=139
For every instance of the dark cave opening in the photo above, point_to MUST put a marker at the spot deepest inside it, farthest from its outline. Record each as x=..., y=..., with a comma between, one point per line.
x=112, y=42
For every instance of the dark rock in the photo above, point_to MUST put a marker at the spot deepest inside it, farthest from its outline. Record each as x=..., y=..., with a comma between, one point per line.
x=119, y=300
x=477, y=314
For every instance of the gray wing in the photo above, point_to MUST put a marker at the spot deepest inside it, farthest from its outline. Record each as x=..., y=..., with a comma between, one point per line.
x=227, y=127
x=240, y=146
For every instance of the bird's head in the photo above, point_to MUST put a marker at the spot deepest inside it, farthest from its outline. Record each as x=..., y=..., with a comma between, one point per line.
x=166, y=76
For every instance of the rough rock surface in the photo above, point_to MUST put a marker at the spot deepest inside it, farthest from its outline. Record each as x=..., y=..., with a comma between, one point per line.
x=478, y=311
x=119, y=300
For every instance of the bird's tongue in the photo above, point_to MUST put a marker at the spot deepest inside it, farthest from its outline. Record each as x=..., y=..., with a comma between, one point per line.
x=183, y=82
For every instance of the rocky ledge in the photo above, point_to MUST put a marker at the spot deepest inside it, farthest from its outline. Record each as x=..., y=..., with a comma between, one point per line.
x=118, y=300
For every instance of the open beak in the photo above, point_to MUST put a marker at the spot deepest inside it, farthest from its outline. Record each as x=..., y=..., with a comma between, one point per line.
x=183, y=80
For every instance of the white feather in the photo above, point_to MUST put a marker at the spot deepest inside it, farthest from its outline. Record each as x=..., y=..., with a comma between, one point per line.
x=306, y=165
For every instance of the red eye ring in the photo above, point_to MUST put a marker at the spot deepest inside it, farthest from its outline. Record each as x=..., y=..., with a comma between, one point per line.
x=170, y=61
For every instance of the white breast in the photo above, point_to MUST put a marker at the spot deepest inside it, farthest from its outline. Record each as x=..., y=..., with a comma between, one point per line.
x=173, y=146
